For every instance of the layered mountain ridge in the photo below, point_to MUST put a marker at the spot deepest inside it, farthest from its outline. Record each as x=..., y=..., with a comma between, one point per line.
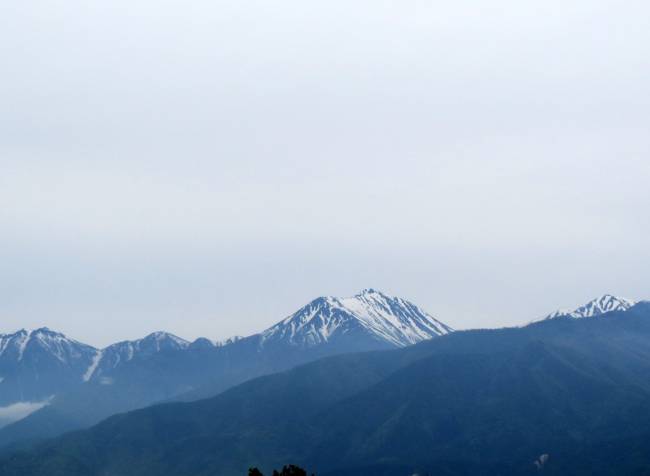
x=112, y=356
x=37, y=364
x=558, y=397
x=96, y=383
x=389, y=320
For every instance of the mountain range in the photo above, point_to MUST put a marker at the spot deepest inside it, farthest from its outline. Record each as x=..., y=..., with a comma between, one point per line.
x=561, y=396
x=71, y=385
x=596, y=307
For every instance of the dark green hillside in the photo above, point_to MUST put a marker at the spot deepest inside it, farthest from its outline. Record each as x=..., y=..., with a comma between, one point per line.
x=476, y=402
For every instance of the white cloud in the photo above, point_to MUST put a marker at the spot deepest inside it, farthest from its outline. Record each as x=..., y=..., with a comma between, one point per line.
x=19, y=410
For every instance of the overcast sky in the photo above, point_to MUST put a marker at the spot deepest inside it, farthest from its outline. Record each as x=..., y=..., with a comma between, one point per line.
x=207, y=167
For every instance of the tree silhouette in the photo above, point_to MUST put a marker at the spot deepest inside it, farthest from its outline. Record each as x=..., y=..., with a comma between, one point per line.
x=291, y=470
x=287, y=470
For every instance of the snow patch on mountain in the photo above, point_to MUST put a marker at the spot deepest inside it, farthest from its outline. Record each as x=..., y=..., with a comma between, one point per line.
x=116, y=354
x=93, y=365
x=17, y=345
x=22, y=341
x=387, y=318
x=595, y=307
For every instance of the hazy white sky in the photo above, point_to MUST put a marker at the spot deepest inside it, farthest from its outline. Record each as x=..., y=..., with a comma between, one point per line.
x=206, y=167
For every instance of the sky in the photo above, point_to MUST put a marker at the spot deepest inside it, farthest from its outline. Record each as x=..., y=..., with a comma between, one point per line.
x=208, y=167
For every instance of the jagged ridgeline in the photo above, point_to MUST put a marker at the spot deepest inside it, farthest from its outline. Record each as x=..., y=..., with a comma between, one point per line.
x=69, y=385
x=562, y=396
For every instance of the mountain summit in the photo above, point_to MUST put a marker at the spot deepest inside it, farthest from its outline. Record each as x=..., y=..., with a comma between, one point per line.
x=385, y=319
x=596, y=307
x=39, y=363
x=114, y=355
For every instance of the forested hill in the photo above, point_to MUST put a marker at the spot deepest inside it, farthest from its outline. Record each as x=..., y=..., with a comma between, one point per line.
x=562, y=396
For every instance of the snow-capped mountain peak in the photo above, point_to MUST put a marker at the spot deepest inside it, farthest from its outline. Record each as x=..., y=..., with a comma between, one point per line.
x=112, y=356
x=162, y=340
x=13, y=345
x=150, y=344
x=387, y=319
x=596, y=307
x=24, y=342
x=36, y=364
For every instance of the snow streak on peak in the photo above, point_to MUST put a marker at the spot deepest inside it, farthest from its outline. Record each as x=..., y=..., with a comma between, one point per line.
x=163, y=340
x=596, y=307
x=43, y=343
x=386, y=318
x=112, y=356
x=52, y=343
x=93, y=365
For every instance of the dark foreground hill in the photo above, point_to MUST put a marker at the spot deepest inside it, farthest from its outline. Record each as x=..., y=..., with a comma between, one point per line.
x=559, y=397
